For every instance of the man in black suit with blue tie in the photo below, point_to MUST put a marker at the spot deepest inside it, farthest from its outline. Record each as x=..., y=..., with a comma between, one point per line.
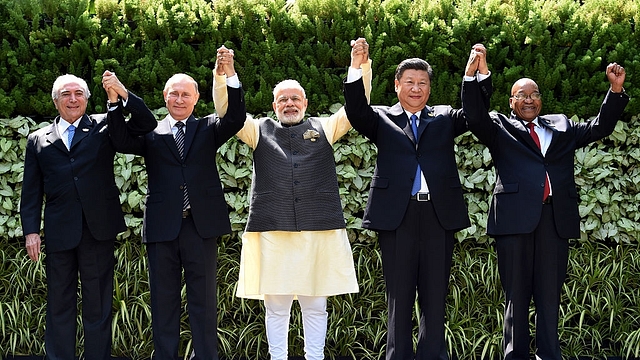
x=415, y=202
x=534, y=210
x=185, y=213
x=69, y=166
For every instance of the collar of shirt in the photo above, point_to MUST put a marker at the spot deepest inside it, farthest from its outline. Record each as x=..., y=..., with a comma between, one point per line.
x=409, y=114
x=63, y=125
x=544, y=134
x=172, y=124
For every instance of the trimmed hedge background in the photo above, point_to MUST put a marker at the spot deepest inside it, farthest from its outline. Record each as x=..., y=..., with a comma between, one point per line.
x=564, y=45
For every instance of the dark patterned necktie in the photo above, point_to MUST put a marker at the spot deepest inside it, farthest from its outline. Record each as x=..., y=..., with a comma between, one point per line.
x=180, y=144
x=180, y=138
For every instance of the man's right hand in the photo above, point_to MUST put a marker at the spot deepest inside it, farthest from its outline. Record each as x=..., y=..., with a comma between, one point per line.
x=32, y=243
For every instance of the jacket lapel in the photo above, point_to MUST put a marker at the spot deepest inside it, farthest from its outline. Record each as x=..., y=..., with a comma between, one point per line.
x=426, y=116
x=191, y=128
x=523, y=133
x=53, y=137
x=83, y=128
x=164, y=131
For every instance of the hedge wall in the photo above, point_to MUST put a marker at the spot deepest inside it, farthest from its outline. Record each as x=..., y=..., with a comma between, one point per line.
x=564, y=45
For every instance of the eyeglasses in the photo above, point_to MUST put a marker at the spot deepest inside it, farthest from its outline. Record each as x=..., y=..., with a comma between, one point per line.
x=532, y=96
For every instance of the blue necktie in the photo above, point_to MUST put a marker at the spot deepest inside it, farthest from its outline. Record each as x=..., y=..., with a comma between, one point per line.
x=71, y=130
x=418, y=178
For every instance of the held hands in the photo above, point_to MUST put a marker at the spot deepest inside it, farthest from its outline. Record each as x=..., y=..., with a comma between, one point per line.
x=359, y=52
x=615, y=75
x=224, y=62
x=477, y=61
x=113, y=86
x=32, y=243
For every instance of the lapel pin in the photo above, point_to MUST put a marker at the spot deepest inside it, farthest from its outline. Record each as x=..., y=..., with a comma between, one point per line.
x=311, y=135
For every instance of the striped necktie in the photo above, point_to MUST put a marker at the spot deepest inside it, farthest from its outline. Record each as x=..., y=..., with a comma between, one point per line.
x=180, y=144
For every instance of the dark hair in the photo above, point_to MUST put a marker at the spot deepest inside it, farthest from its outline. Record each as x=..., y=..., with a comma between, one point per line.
x=414, y=64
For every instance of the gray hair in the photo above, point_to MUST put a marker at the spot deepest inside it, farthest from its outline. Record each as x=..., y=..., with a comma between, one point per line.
x=288, y=84
x=65, y=79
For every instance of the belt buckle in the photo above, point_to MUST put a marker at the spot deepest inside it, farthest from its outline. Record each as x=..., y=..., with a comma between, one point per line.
x=423, y=196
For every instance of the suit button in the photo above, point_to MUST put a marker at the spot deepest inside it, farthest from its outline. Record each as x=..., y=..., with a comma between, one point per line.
x=293, y=135
x=181, y=187
x=297, y=200
x=295, y=153
x=184, y=165
x=72, y=159
x=75, y=178
x=295, y=165
x=296, y=182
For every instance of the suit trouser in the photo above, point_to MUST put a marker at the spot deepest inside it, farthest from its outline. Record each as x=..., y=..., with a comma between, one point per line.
x=417, y=255
x=532, y=265
x=94, y=261
x=314, y=324
x=166, y=260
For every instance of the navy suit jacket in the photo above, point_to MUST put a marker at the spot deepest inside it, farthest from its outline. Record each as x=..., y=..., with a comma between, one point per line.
x=516, y=205
x=77, y=182
x=398, y=157
x=167, y=172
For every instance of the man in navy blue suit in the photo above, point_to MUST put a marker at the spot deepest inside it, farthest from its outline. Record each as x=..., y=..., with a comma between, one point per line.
x=185, y=213
x=415, y=202
x=69, y=166
x=534, y=210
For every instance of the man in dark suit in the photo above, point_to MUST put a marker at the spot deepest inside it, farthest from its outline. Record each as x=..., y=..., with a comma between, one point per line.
x=415, y=203
x=185, y=213
x=534, y=210
x=70, y=164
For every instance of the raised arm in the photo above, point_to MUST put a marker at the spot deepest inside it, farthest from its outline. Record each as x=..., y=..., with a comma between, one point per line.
x=338, y=124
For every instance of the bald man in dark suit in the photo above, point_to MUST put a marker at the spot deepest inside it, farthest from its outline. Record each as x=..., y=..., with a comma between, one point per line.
x=534, y=209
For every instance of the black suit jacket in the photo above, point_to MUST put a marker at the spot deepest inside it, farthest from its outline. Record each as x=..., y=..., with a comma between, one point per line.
x=516, y=206
x=167, y=172
x=398, y=157
x=77, y=182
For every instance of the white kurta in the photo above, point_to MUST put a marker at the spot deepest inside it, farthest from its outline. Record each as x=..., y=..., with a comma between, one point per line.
x=311, y=263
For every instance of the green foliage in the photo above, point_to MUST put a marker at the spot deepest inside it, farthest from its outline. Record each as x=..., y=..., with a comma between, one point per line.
x=564, y=45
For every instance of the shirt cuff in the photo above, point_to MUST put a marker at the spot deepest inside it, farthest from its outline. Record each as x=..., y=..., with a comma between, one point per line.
x=353, y=74
x=477, y=76
x=233, y=81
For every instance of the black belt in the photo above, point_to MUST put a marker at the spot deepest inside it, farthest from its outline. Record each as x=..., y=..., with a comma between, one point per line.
x=548, y=200
x=421, y=197
x=186, y=213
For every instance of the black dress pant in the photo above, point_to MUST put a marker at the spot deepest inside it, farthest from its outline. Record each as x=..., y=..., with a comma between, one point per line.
x=532, y=266
x=417, y=257
x=197, y=256
x=94, y=261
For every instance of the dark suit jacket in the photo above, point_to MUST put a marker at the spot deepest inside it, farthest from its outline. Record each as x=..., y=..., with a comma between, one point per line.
x=167, y=172
x=517, y=198
x=398, y=157
x=77, y=182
